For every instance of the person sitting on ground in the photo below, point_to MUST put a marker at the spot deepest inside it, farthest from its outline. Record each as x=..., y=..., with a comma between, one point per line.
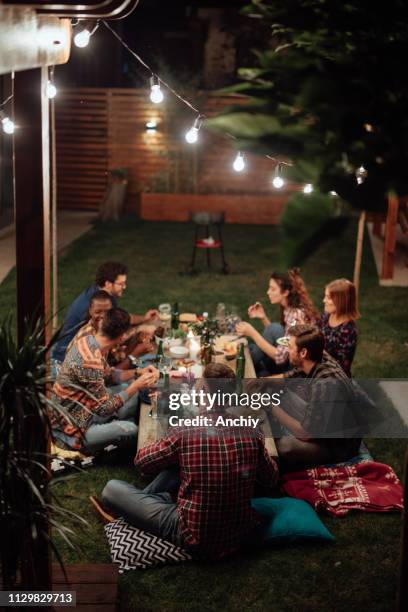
x=323, y=407
x=338, y=323
x=141, y=336
x=218, y=468
x=111, y=276
x=289, y=291
x=86, y=416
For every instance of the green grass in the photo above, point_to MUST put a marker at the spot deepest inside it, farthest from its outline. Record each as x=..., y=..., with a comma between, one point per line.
x=361, y=569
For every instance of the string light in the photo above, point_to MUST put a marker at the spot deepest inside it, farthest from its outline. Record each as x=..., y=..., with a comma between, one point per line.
x=50, y=90
x=156, y=94
x=361, y=175
x=192, y=134
x=308, y=188
x=7, y=125
x=82, y=39
x=239, y=162
x=278, y=182
x=334, y=193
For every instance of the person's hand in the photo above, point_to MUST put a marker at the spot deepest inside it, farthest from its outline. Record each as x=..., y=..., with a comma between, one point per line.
x=144, y=348
x=150, y=315
x=245, y=329
x=256, y=311
x=145, y=380
x=149, y=370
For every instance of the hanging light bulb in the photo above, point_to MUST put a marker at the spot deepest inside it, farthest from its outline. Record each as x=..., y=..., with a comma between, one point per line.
x=50, y=90
x=239, y=162
x=156, y=94
x=361, y=175
x=82, y=38
x=308, y=188
x=278, y=182
x=192, y=134
x=8, y=125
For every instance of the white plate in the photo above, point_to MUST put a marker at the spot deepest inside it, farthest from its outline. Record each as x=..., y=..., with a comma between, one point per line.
x=179, y=352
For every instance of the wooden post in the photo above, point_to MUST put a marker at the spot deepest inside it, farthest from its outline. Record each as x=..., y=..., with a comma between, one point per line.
x=359, y=250
x=390, y=237
x=403, y=583
x=32, y=195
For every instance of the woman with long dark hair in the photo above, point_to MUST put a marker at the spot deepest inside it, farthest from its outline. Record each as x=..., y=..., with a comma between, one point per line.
x=287, y=290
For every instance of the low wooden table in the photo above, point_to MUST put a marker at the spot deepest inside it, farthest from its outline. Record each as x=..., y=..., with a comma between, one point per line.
x=151, y=429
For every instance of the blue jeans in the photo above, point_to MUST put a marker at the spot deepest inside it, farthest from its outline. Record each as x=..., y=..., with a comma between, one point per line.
x=106, y=430
x=263, y=364
x=151, y=509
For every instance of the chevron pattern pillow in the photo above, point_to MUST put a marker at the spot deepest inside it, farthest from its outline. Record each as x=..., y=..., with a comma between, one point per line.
x=132, y=548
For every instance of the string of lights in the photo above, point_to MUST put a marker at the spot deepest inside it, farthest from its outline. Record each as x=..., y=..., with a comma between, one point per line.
x=82, y=39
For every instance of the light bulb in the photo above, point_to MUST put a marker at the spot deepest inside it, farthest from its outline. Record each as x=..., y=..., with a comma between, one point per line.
x=8, y=125
x=239, y=163
x=278, y=182
x=156, y=94
x=361, y=175
x=82, y=38
x=308, y=188
x=192, y=135
x=334, y=193
x=50, y=90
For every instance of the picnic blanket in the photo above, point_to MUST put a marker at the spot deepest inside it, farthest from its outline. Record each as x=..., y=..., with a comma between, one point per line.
x=368, y=486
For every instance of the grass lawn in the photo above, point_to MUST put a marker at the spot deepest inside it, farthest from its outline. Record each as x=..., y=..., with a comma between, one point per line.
x=361, y=569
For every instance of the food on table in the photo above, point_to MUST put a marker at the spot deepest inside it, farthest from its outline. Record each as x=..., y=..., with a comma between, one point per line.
x=188, y=317
x=178, y=351
x=185, y=362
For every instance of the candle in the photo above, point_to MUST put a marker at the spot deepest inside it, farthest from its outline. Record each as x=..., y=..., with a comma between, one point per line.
x=194, y=348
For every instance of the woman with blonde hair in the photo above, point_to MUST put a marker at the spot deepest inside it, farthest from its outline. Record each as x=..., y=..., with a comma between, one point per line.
x=287, y=290
x=338, y=322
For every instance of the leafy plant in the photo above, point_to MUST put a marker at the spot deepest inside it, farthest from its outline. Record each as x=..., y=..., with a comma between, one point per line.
x=28, y=507
x=329, y=90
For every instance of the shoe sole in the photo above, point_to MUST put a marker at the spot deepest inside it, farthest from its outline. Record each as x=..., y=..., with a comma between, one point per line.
x=106, y=517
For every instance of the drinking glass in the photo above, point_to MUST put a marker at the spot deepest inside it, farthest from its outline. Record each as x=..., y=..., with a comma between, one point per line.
x=165, y=364
x=165, y=314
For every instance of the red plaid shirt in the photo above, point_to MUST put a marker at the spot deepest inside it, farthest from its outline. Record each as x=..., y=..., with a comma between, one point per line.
x=218, y=469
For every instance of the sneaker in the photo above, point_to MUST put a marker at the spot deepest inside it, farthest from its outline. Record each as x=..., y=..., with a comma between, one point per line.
x=107, y=516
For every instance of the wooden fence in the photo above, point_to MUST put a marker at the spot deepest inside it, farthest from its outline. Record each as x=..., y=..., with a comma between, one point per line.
x=102, y=129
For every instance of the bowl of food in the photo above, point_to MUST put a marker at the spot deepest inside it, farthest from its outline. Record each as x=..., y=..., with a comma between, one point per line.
x=178, y=352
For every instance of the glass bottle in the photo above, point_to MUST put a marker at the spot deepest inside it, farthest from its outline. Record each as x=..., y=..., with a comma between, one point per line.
x=175, y=316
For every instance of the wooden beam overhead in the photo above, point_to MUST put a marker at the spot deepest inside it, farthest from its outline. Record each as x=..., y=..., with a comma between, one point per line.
x=96, y=9
x=28, y=40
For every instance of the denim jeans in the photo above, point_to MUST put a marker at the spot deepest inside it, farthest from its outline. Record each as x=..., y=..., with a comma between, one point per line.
x=151, y=509
x=102, y=431
x=263, y=364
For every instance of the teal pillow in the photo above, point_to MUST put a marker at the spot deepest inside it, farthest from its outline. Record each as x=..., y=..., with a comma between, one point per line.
x=289, y=519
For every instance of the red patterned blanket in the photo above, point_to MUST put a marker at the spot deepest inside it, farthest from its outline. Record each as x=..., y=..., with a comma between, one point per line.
x=368, y=486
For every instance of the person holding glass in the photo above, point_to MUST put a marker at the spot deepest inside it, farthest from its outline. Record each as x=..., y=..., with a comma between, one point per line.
x=288, y=291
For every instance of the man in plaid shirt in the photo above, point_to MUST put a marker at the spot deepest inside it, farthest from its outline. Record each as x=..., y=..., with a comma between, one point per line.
x=218, y=468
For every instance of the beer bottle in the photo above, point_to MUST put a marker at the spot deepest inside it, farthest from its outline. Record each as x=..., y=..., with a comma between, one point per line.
x=175, y=316
x=159, y=353
x=240, y=371
x=206, y=353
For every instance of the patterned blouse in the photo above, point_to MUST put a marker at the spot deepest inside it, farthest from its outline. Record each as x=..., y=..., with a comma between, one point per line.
x=291, y=316
x=340, y=341
x=80, y=388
